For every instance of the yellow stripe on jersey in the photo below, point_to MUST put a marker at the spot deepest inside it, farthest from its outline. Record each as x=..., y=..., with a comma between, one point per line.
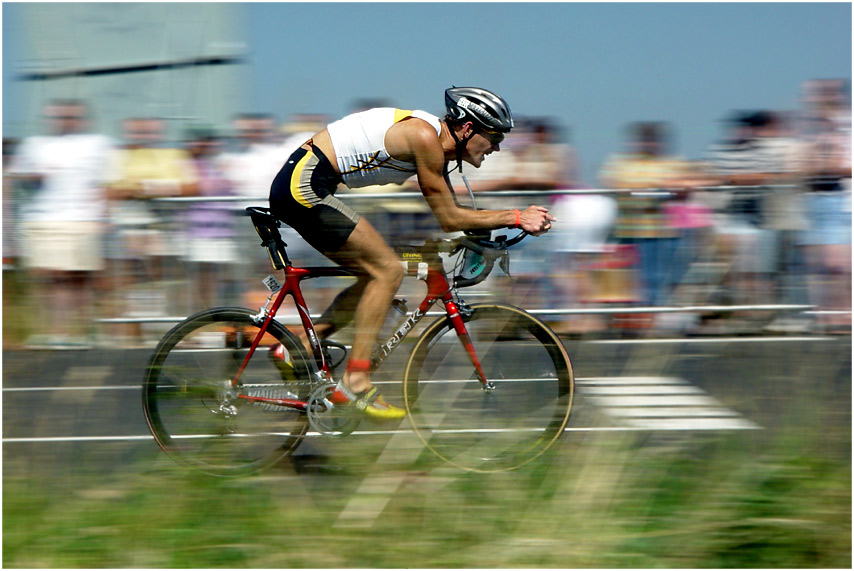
x=401, y=114
x=296, y=176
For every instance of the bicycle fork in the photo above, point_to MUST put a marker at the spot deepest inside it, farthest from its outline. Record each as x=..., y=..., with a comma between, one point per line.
x=462, y=333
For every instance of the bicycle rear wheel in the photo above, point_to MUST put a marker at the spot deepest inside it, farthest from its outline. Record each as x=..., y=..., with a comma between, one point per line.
x=489, y=430
x=199, y=419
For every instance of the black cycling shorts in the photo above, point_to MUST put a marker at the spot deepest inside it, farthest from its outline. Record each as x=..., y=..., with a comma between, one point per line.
x=302, y=196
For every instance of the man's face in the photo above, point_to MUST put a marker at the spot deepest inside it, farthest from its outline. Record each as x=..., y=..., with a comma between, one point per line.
x=143, y=132
x=66, y=119
x=648, y=148
x=824, y=94
x=481, y=144
x=257, y=130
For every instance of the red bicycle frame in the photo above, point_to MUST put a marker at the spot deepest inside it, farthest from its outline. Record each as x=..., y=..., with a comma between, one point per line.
x=437, y=288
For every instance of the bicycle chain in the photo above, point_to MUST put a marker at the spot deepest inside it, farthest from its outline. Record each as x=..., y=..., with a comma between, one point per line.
x=268, y=392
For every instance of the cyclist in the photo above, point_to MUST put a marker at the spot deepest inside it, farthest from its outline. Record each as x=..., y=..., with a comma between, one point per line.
x=382, y=146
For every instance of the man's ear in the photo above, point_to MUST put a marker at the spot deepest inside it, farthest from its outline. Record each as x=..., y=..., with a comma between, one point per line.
x=467, y=130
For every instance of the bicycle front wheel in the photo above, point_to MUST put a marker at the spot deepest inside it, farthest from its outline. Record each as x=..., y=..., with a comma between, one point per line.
x=195, y=414
x=489, y=429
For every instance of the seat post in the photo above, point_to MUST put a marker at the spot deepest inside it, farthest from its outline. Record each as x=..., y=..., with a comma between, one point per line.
x=267, y=227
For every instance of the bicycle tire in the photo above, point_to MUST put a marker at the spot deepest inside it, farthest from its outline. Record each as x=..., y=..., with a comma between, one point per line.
x=187, y=380
x=501, y=429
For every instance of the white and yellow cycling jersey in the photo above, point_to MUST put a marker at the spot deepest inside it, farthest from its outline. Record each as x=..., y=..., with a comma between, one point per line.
x=359, y=143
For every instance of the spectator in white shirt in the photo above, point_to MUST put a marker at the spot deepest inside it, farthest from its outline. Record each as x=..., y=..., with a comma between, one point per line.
x=62, y=220
x=258, y=158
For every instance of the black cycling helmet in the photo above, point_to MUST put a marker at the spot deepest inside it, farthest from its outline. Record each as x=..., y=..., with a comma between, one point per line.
x=484, y=108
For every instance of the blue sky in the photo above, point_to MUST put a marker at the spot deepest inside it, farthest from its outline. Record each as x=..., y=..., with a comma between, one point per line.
x=594, y=67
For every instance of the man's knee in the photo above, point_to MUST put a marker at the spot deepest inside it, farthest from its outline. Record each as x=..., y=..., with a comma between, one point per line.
x=392, y=273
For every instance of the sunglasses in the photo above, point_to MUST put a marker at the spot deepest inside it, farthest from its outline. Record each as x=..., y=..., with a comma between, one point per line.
x=493, y=137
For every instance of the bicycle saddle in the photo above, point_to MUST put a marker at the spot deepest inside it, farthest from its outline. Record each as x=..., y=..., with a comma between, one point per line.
x=263, y=216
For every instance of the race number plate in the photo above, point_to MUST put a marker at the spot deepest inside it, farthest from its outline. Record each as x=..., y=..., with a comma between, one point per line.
x=272, y=283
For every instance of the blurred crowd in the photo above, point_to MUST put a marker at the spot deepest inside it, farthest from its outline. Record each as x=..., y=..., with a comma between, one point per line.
x=148, y=227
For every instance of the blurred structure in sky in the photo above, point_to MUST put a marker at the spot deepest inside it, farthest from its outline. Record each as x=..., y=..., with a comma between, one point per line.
x=178, y=62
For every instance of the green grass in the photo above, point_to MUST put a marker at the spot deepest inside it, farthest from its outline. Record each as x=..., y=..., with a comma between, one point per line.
x=599, y=500
x=18, y=311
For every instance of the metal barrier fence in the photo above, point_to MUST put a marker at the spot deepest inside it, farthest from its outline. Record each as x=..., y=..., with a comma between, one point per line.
x=715, y=264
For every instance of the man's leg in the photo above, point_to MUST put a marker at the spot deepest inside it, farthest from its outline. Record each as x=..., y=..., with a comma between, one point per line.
x=339, y=313
x=365, y=249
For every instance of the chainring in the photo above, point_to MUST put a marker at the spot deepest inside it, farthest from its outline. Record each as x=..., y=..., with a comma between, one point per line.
x=327, y=418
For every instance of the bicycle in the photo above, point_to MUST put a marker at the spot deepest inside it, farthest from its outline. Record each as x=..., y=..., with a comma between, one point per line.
x=486, y=387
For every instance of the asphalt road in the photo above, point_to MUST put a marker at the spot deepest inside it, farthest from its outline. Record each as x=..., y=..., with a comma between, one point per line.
x=66, y=412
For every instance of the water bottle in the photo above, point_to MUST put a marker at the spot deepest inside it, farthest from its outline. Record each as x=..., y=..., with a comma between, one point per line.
x=395, y=316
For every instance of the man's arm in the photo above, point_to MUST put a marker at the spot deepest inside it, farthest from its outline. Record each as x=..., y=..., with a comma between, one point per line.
x=430, y=162
x=23, y=167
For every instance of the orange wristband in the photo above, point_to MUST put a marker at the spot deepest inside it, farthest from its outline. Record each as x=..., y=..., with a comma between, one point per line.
x=518, y=218
x=359, y=366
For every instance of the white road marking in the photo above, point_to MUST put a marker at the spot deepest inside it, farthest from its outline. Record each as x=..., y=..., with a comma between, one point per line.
x=611, y=381
x=669, y=412
x=664, y=403
x=696, y=340
x=79, y=373
x=72, y=439
x=644, y=390
x=50, y=439
x=98, y=388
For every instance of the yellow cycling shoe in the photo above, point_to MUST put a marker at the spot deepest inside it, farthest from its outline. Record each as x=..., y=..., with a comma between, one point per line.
x=370, y=402
x=374, y=405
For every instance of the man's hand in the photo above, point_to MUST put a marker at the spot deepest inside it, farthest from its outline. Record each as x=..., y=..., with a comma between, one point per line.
x=536, y=220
